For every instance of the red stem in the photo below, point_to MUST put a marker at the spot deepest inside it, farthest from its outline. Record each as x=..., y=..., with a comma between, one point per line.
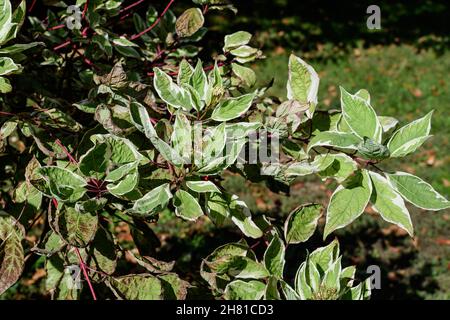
x=59, y=26
x=62, y=45
x=83, y=267
x=154, y=23
x=86, y=5
x=32, y=6
x=131, y=6
x=72, y=159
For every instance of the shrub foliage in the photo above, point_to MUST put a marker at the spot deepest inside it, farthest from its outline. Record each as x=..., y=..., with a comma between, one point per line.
x=99, y=127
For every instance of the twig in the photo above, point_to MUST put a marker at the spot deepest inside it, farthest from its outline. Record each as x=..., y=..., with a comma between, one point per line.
x=154, y=23
x=131, y=6
x=71, y=159
x=83, y=267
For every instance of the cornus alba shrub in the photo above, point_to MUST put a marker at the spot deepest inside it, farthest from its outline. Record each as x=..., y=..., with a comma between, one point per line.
x=101, y=127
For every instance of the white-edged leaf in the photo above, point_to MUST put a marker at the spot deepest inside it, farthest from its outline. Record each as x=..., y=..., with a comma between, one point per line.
x=232, y=108
x=409, y=137
x=389, y=204
x=418, y=192
x=303, y=83
x=360, y=116
x=348, y=203
x=186, y=206
x=336, y=139
x=301, y=223
x=153, y=201
x=202, y=186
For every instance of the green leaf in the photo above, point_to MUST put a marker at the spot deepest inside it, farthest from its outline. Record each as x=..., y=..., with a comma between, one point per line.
x=7, y=128
x=246, y=76
x=202, y=186
x=217, y=209
x=241, y=129
x=186, y=206
x=64, y=185
x=341, y=168
x=303, y=83
x=11, y=251
x=410, y=137
x=189, y=22
x=331, y=279
x=244, y=290
x=244, y=51
x=348, y=202
x=213, y=143
x=153, y=201
x=334, y=139
x=142, y=121
x=199, y=81
x=320, y=163
x=389, y=204
x=121, y=150
x=360, y=116
x=90, y=205
x=124, y=42
x=76, y=229
x=288, y=291
x=388, y=123
x=271, y=292
x=124, y=186
x=6, y=23
x=417, y=191
x=137, y=287
x=7, y=66
x=301, y=223
x=171, y=93
x=370, y=149
x=103, y=252
x=182, y=137
x=185, y=72
x=242, y=268
x=120, y=172
x=236, y=39
x=174, y=288
x=232, y=108
x=242, y=218
x=5, y=85
x=323, y=257
x=274, y=257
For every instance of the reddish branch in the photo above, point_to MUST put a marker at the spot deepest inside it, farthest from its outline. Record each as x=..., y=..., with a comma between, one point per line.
x=131, y=6
x=32, y=6
x=83, y=267
x=154, y=23
x=71, y=159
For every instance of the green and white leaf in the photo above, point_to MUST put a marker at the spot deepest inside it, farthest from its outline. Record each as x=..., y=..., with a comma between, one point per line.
x=335, y=139
x=303, y=83
x=232, y=108
x=301, y=223
x=153, y=201
x=389, y=204
x=186, y=206
x=418, y=192
x=360, y=116
x=348, y=202
x=410, y=137
x=63, y=184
